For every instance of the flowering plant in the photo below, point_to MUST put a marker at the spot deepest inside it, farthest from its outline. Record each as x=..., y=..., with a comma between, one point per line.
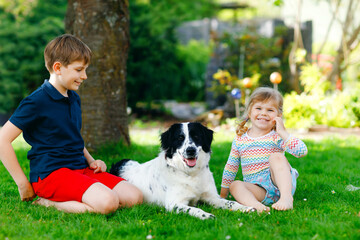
x=224, y=82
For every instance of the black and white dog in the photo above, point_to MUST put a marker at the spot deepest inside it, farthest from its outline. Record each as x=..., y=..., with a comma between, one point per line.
x=180, y=175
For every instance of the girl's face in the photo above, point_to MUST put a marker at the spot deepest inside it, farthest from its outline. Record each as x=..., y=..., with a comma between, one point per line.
x=262, y=115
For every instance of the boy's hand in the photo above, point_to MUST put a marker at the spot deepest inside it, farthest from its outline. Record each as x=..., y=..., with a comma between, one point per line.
x=26, y=192
x=98, y=166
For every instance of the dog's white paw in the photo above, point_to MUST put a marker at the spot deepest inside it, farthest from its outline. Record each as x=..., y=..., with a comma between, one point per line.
x=239, y=207
x=206, y=215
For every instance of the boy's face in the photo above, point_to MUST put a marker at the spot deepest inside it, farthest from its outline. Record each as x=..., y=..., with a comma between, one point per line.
x=71, y=76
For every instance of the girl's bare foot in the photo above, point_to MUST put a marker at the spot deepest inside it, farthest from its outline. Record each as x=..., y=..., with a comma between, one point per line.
x=284, y=203
x=261, y=208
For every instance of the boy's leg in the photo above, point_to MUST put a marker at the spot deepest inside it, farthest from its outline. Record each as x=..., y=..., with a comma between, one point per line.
x=128, y=194
x=73, y=191
x=249, y=194
x=97, y=198
x=281, y=176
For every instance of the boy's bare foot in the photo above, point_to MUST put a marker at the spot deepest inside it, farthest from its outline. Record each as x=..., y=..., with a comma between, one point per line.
x=284, y=203
x=261, y=208
x=43, y=202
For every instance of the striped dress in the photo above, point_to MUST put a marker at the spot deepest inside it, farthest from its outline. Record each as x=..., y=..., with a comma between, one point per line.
x=253, y=155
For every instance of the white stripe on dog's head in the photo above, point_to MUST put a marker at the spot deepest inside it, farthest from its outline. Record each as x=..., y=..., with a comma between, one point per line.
x=186, y=140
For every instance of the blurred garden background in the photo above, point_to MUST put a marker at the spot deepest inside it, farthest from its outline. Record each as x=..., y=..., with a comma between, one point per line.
x=182, y=60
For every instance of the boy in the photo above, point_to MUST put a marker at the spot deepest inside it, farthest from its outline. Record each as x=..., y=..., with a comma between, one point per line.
x=62, y=172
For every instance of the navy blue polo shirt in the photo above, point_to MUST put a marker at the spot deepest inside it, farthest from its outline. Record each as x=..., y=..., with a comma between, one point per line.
x=51, y=125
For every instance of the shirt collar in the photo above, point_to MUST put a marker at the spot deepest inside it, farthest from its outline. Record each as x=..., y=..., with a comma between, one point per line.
x=53, y=92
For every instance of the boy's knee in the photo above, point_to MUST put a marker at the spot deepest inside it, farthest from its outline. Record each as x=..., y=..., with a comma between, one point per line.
x=108, y=204
x=135, y=197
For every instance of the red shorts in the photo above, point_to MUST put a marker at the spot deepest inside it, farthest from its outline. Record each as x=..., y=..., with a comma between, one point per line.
x=65, y=184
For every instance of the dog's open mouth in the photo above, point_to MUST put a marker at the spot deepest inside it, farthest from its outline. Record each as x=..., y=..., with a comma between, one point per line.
x=191, y=162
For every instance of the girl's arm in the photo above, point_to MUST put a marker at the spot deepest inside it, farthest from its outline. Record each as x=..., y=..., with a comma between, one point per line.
x=224, y=192
x=230, y=170
x=9, y=132
x=292, y=145
x=96, y=165
x=295, y=147
x=280, y=128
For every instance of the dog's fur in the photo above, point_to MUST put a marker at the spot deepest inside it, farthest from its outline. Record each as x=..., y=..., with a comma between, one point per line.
x=180, y=175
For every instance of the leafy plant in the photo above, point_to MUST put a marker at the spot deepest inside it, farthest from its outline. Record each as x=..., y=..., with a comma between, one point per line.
x=318, y=105
x=252, y=54
x=24, y=32
x=158, y=66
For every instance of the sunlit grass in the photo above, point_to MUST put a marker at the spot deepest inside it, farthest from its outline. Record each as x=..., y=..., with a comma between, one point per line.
x=323, y=208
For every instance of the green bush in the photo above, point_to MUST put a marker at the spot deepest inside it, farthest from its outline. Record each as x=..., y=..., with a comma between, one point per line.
x=158, y=66
x=261, y=55
x=22, y=41
x=196, y=55
x=317, y=105
x=300, y=111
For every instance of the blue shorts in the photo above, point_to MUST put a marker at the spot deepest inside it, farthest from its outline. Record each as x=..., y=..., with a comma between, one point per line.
x=272, y=192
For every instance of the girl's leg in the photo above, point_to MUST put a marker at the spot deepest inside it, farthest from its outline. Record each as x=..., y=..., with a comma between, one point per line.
x=281, y=176
x=98, y=198
x=128, y=194
x=249, y=194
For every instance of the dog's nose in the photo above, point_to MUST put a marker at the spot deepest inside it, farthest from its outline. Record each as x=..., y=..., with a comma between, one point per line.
x=191, y=151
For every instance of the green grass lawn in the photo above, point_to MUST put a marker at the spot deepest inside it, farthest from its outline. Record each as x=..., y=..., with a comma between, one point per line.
x=323, y=208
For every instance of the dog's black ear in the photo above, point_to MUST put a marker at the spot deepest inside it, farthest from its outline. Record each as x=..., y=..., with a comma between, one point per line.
x=208, y=137
x=167, y=140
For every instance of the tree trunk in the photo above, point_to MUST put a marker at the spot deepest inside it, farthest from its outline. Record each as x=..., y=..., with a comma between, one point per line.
x=349, y=42
x=104, y=27
x=298, y=43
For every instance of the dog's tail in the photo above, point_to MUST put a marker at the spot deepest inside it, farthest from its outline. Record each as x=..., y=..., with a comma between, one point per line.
x=118, y=168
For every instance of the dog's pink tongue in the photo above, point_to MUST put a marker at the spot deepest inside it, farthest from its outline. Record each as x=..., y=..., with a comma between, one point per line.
x=191, y=162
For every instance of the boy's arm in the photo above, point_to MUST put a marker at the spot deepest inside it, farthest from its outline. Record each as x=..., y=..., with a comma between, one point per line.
x=8, y=133
x=96, y=165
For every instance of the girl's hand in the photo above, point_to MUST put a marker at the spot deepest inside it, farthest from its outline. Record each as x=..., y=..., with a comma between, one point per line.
x=98, y=166
x=26, y=192
x=280, y=128
x=224, y=192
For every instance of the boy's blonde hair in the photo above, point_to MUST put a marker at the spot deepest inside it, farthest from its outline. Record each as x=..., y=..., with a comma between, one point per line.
x=66, y=49
x=261, y=94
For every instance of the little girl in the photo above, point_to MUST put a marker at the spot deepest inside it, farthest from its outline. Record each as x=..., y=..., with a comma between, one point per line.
x=268, y=176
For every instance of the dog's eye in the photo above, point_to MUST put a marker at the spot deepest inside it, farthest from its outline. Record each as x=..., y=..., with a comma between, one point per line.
x=181, y=138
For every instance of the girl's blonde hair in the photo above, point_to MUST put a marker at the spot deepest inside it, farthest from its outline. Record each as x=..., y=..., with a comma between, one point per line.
x=261, y=94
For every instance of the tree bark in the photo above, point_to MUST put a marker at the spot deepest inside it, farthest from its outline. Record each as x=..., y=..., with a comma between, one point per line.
x=349, y=42
x=104, y=27
x=298, y=43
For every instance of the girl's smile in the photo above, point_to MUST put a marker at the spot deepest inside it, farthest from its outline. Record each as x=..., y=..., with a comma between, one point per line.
x=262, y=116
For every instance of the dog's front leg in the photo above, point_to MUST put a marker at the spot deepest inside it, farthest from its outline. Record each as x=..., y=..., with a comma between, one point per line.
x=193, y=211
x=218, y=202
